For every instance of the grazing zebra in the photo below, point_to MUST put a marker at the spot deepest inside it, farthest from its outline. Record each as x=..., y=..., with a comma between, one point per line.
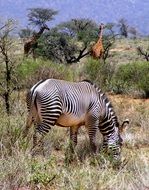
x=73, y=104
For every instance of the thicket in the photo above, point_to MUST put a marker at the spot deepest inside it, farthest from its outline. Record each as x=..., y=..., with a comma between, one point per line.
x=131, y=78
x=29, y=72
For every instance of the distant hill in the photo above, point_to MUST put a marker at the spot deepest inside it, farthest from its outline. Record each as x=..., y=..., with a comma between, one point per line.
x=136, y=12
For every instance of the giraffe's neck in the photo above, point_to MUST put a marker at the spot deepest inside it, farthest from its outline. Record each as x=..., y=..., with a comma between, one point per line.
x=38, y=34
x=100, y=33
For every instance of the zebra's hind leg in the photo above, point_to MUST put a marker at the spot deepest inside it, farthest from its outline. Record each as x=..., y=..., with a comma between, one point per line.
x=38, y=144
x=29, y=122
x=40, y=131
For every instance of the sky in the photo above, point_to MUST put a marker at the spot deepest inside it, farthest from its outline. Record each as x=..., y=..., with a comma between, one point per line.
x=136, y=12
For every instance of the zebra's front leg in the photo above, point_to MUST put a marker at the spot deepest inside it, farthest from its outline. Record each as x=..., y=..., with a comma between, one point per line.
x=104, y=147
x=92, y=126
x=70, y=151
x=92, y=136
x=73, y=137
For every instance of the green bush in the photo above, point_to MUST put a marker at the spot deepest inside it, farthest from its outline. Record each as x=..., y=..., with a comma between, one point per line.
x=30, y=72
x=132, y=77
x=99, y=72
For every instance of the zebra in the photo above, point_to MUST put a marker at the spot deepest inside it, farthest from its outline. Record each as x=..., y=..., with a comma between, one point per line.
x=73, y=104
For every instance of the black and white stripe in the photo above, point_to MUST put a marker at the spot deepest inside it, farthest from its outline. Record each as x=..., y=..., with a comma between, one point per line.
x=53, y=99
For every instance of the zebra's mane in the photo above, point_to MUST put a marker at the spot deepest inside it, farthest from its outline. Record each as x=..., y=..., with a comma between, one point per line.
x=100, y=92
x=107, y=101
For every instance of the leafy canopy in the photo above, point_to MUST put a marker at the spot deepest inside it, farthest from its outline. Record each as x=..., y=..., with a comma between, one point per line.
x=39, y=16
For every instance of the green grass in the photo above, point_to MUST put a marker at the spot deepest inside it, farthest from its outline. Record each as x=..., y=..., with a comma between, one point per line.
x=59, y=170
x=84, y=172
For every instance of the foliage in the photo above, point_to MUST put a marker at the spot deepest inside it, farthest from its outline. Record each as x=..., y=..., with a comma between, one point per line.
x=57, y=46
x=8, y=62
x=143, y=53
x=99, y=72
x=132, y=76
x=39, y=16
x=83, y=30
x=68, y=42
x=126, y=30
x=26, y=32
x=123, y=26
x=30, y=72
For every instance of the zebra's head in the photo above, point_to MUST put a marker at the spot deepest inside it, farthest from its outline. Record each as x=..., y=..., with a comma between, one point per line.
x=119, y=141
x=121, y=129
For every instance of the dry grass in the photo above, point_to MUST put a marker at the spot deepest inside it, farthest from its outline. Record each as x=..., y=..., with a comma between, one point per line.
x=53, y=172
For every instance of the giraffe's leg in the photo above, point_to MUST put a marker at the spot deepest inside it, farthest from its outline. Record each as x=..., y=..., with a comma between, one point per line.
x=34, y=54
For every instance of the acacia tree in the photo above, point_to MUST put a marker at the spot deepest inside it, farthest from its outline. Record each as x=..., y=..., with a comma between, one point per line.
x=40, y=16
x=25, y=33
x=69, y=41
x=37, y=17
x=123, y=26
x=108, y=39
x=7, y=60
x=143, y=53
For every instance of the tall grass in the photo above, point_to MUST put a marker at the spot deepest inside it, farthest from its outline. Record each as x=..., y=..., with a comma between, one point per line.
x=84, y=172
x=29, y=71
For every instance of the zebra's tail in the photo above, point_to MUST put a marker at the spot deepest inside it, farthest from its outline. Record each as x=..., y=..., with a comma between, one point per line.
x=30, y=100
x=31, y=107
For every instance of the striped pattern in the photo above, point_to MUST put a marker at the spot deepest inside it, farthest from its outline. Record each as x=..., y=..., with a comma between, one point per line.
x=69, y=104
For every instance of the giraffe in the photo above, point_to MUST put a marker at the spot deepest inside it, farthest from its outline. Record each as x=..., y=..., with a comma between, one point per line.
x=97, y=50
x=32, y=43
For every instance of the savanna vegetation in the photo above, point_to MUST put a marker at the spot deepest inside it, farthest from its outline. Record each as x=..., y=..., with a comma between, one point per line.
x=64, y=53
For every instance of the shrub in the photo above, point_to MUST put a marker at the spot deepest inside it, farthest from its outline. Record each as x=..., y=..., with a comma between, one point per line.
x=30, y=72
x=99, y=72
x=132, y=77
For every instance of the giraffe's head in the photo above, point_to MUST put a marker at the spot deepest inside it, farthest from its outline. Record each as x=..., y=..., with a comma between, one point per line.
x=101, y=26
x=45, y=27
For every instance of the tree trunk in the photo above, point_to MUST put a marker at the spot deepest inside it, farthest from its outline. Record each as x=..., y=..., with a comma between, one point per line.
x=8, y=79
x=7, y=102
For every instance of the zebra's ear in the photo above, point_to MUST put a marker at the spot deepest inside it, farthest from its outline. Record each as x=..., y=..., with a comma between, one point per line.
x=124, y=125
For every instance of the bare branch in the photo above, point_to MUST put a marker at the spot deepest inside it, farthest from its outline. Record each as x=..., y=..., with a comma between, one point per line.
x=145, y=54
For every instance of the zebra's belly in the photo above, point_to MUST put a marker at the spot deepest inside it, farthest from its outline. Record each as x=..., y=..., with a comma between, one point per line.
x=70, y=120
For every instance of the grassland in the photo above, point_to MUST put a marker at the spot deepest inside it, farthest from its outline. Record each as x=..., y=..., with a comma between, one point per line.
x=19, y=171
x=85, y=172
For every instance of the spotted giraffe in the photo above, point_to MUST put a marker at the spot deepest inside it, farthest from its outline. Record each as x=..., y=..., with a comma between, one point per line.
x=97, y=50
x=32, y=43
